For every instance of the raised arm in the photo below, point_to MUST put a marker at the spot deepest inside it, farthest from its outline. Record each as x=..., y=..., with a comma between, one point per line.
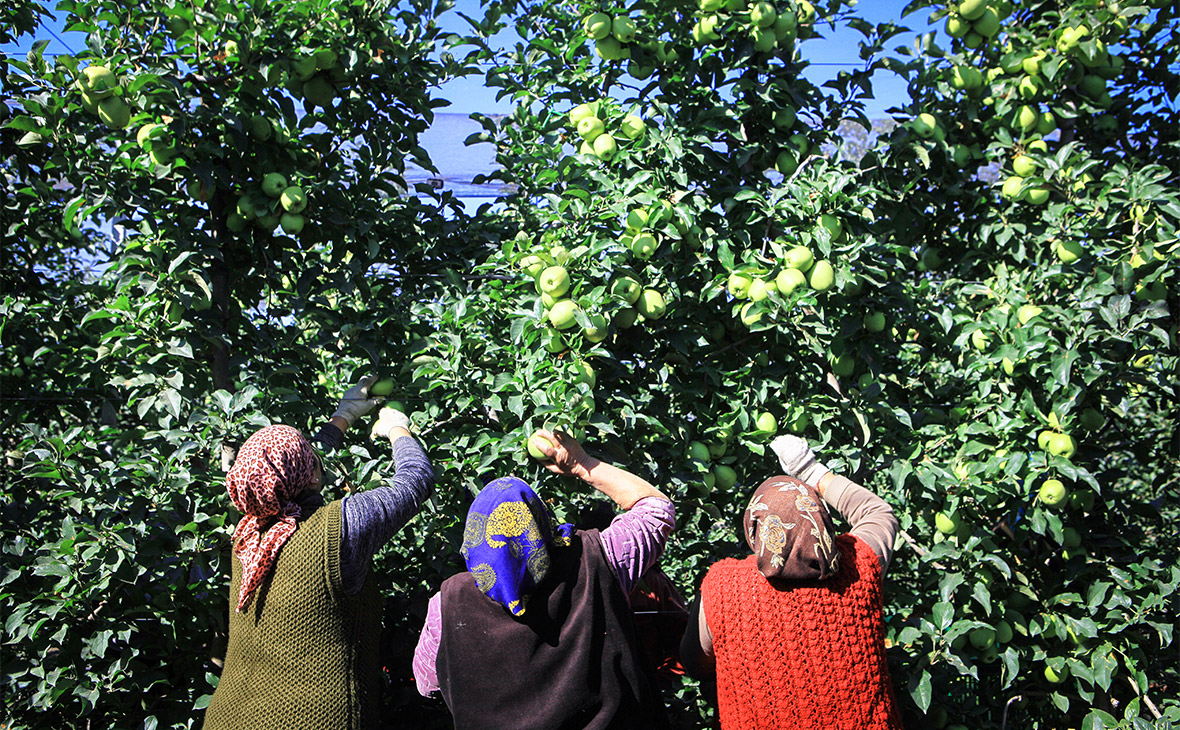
x=371, y=518
x=634, y=540
x=871, y=518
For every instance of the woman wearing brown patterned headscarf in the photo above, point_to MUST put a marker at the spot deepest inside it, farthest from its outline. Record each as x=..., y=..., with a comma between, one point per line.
x=793, y=633
x=305, y=613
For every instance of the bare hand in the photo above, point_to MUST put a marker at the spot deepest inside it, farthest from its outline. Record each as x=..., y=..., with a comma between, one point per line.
x=565, y=454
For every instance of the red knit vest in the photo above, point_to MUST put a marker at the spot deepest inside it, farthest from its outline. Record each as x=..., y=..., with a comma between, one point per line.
x=802, y=655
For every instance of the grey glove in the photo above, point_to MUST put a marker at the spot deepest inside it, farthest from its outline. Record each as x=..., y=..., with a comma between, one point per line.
x=797, y=459
x=356, y=401
x=387, y=420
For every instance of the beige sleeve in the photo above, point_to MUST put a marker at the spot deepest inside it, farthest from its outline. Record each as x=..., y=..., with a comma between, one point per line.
x=871, y=517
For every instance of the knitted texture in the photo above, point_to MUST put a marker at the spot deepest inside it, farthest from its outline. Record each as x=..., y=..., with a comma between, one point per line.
x=303, y=654
x=804, y=655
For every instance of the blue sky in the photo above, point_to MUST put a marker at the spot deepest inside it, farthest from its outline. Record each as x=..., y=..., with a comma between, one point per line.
x=838, y=51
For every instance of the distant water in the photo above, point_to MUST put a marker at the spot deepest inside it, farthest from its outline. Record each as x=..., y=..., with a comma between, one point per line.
x=458, y=165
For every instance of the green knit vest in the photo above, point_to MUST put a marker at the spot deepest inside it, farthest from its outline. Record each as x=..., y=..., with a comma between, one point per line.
x=301, y=653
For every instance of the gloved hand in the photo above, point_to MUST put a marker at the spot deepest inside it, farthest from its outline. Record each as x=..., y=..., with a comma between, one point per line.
x=356, y=401
x=797, y=459
x=387, y=420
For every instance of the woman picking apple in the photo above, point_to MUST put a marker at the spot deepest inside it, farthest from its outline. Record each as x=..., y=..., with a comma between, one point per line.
x=537, y=632
x=793, y=633
x=305, y=616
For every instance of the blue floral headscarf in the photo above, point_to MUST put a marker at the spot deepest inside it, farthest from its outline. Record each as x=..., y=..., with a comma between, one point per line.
x=507, y=542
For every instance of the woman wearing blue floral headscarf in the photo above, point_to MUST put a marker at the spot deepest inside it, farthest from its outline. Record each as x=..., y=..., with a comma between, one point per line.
x=537, y=633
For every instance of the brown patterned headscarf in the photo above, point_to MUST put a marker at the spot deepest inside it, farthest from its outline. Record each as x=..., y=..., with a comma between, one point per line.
x=789, y=529
x=273, y=466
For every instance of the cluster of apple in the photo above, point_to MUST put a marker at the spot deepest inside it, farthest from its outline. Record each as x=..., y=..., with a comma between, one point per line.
x=612, y=36
x=314, y=77
x=800, y=269
x=768, y=26
x=596, y=141
x=974, y=22
x=102, y=95
x=279, y=204
x=155, y=140
x=705, y=458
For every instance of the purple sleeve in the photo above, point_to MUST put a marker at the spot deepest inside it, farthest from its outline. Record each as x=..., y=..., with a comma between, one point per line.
x=329, y=437
x=426, y=653
x=635, y=539
x=369, y=519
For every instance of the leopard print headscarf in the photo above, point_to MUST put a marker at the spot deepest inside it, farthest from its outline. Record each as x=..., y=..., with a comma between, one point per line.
x=273, y=466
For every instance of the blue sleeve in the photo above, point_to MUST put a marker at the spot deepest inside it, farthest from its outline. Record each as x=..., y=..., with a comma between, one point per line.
x=369, y=519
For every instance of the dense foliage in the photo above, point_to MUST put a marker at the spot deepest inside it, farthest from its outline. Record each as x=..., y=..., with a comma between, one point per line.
x=988, y=335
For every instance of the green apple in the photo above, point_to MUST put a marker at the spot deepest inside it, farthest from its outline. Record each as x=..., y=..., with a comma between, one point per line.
x=1031, y=64
x=632, y=126
x=972, y=9
x=304, y=67
x=598, y=329
x=235, y=223
x=766, y=422
x=1003, y=632
x=582, y=372
x=273, y=184
x=1092, y=419
x=383, y=388
x=292, y=223
x=533, y=264
x=833, y=226
x=1043, y=439
x=590, y=127
x=1037, y=196
x=758, y=291
x=751, y=314
x=788, y=280
x=151, y=133
x=293, y=198
x=705, y=30
x=784, y=118
x=697, y=451
x=114, y=112
x=806, y=12
x=554, y=281
x=956, y=26
x=924, y=125
x=717, y=449
x=980, y=340
x=822, y=276
x=844, y=365
x=605, y=147
x=801, y=258
x=983, y=638
x=548, y=300
x=98, y=81
x=582, y=111
x=739, y=285
x=1068, y=251
x=786, y=162
x=260, y=128
x=1024, y=166
x=268, y=221
x=988, y=24
x=623, y=29
x=1062, y=444
x=609, y=49
x=644, y=246
x=1052, y=492
x=725, y=476
x=319, y=92
x=763, y=14
x=562, y=314
x=947, y=524
x=626, y=317
x=1046, y=123
x=1026, y=312
x=626, y=288
x=554, y=342
x=1055, y=677
x=325, y=59
x=1027, y=117
x=597, y=25
x=651, y=304
x=1012, y=187
x=785, y=26
x=874, y=322
x=534, y=444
